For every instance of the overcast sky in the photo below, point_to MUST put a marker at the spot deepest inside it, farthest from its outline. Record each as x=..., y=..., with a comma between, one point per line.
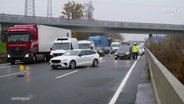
x=146, y=11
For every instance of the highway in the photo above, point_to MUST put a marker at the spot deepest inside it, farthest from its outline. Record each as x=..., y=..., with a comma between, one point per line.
x=83, y=85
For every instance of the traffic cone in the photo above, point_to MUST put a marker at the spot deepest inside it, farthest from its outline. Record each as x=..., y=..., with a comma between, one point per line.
x=22, y=73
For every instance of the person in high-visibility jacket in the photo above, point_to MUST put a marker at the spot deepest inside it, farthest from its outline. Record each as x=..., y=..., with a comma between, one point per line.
x=135, y=50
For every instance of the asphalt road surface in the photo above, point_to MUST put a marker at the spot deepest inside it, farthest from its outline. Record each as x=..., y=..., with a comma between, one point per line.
x=83, y=85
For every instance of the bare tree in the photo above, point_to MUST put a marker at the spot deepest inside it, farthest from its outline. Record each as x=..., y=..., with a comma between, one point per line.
x=88, y=11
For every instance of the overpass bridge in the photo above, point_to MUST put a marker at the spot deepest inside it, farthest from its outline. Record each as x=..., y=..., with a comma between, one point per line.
x=93, y=25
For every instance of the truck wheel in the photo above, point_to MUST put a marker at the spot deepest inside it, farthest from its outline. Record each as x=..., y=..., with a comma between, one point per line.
x=72, y=65
x=44, y=58
x=48, y=58
x=34, y=60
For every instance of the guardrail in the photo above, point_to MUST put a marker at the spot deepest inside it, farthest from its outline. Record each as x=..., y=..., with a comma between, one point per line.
x=2, y=59
x=167, y=89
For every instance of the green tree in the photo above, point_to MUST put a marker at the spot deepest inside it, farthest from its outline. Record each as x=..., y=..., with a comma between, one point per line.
x=72, y=10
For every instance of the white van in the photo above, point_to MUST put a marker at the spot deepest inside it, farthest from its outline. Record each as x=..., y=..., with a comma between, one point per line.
x=63, y=44
x=115, y=46
x=86, y=44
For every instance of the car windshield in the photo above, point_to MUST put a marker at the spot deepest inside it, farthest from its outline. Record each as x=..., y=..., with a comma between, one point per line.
x=18, y=38
x=107, y=48
x=61, y=46
x=125, y=43
x=71, y=53
x=123, y=48
x=115, y=45
x=98, y=48
x=84, y=46
x=96, y=42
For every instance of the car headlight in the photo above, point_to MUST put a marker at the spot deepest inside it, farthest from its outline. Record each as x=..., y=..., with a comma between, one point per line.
x=51, y=53
x=115, y=53
x=128, y=53
x=100, y=51
x=8, y=56
x=27, y=55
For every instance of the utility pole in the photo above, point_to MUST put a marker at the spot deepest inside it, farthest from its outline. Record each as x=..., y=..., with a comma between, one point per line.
x=29, y=9
x=49, y=8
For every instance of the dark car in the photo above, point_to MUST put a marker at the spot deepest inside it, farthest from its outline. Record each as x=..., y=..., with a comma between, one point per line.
x=100, y=51
x=123, y=52
x=107, y=50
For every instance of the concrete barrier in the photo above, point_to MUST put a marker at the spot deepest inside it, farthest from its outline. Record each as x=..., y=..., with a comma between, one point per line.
x=167, y=89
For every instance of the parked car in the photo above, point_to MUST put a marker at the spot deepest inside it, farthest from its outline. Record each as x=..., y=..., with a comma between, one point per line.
x=115, y=46
x=123, y=52
x=100, y=51
x=141, y=50
x=107, y=50
x=74, y=58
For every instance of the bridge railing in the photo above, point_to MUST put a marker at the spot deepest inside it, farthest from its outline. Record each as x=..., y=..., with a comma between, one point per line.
x=4, y=18
x=168, y=90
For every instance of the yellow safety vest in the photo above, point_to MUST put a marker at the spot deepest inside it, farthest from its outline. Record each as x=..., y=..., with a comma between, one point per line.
x=135, y=49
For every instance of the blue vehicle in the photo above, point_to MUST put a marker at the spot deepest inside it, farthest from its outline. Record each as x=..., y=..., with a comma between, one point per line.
x=158, y=38
x=99, y=41
x=109, y=41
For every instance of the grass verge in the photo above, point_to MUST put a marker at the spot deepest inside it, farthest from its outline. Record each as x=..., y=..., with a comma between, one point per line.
x=169, y=53
x=2, y=53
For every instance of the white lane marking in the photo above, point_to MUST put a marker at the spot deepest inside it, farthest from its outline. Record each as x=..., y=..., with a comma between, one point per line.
x=116, y=95
x=7, y=66
x=67, y=74
x=10, y=74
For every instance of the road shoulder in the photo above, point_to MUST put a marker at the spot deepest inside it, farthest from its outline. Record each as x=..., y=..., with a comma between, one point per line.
x=134, y=89
x=145, y=93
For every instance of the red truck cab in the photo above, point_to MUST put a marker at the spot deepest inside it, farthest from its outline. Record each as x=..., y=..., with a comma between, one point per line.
x=22, y=43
